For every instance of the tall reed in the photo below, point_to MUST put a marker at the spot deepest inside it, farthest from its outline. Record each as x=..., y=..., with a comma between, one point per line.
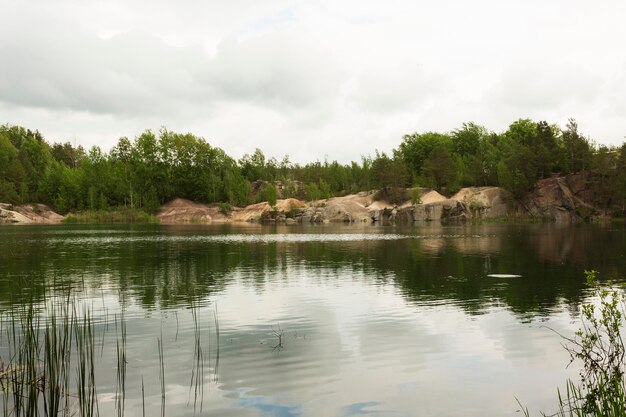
x=161, y=373
x=85, y=372
x=48, y=356
x=37, y=377
x=120, y=389
x=197, y=372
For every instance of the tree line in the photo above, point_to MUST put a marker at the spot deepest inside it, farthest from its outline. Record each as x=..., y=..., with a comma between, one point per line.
x=156, y=167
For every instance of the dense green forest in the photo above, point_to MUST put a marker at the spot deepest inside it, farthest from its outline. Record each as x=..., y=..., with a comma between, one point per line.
x=155, y=167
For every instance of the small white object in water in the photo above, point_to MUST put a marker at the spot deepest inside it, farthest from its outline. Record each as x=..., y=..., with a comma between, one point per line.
x=503, y=276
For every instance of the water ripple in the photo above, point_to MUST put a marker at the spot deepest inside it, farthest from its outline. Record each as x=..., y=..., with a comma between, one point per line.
x=254, y=238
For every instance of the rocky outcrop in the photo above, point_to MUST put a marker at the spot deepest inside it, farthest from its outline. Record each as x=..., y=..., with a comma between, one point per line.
x=251, y=213
x=264, y=213
x=346, y=209
x=28, y=214
x=554, y=199
x=560, y=199
x=449, y=210
x=181, y=211
x=488, y=202
x=557, y=199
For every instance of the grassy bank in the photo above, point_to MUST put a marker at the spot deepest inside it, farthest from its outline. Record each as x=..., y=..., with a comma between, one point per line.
x=122, y=215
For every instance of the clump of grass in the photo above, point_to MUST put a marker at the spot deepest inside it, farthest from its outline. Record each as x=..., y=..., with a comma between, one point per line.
x=121, y=215
x=36, y=379
x=45, y=352
x=225, y=209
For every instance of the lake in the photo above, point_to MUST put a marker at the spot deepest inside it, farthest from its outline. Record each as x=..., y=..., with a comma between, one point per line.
x=318, y=320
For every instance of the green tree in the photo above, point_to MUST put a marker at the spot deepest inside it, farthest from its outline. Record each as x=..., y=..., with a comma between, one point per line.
x=313, y=192
x=270, y=192
x=253, y=166
x=415, y=149
x=440, y=168
x=67, y=154
x=518, y=173
x=620, y=181
x=578, y=149
x=10, y=174
x=324, y=189
x=391, y=177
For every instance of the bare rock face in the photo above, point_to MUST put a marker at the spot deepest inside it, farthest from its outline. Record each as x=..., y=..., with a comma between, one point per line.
x=180, y=211
x=488, y=202
x=347, y=209
x=557, y=199
x=384, y=215
x=285, y=209
x=28, y=214
x=251, y=213
x=449, y=210
x=553, y=199
x=468, y=203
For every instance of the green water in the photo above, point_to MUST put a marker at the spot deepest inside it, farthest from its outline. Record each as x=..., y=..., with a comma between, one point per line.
x=384, y=321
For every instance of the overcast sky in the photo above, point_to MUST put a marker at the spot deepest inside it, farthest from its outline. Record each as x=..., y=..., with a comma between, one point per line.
x=311, y=78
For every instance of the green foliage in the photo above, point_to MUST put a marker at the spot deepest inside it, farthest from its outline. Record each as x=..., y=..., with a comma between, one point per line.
x=324, y=189
x=293, y=211
x=599, y=347
x=155, y=167
x=290, y=190
x=122, y=215
x=313, y=192
x=439, y=168
x=392, y=195
x=150, y=200
x=270, y=193
x=225, y=209
x=578, y=149
x=416, y=148
x=416, y=196
x=391, y=177
x=67, y=154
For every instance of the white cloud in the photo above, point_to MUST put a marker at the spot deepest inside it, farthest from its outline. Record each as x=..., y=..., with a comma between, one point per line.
x=277, y=70
x=309, y=78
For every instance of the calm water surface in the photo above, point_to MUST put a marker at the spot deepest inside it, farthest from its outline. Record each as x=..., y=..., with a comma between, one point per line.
x=321, y=321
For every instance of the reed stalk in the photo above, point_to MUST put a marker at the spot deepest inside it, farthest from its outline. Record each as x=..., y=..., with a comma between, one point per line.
x=161, y=374
x=197, y=371
x=120, y=390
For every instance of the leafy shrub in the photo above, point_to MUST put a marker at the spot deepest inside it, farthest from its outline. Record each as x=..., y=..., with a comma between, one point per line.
x=416, y=196
x=225, y=209
x=392, y=195
x=598, y=344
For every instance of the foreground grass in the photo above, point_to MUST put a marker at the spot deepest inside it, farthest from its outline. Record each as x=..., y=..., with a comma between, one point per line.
x=48, y=359
x=122, y=215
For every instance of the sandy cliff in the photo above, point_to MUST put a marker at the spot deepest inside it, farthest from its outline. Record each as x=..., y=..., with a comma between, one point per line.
x=28, y=214
x=559, y=199
x=553, y=199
